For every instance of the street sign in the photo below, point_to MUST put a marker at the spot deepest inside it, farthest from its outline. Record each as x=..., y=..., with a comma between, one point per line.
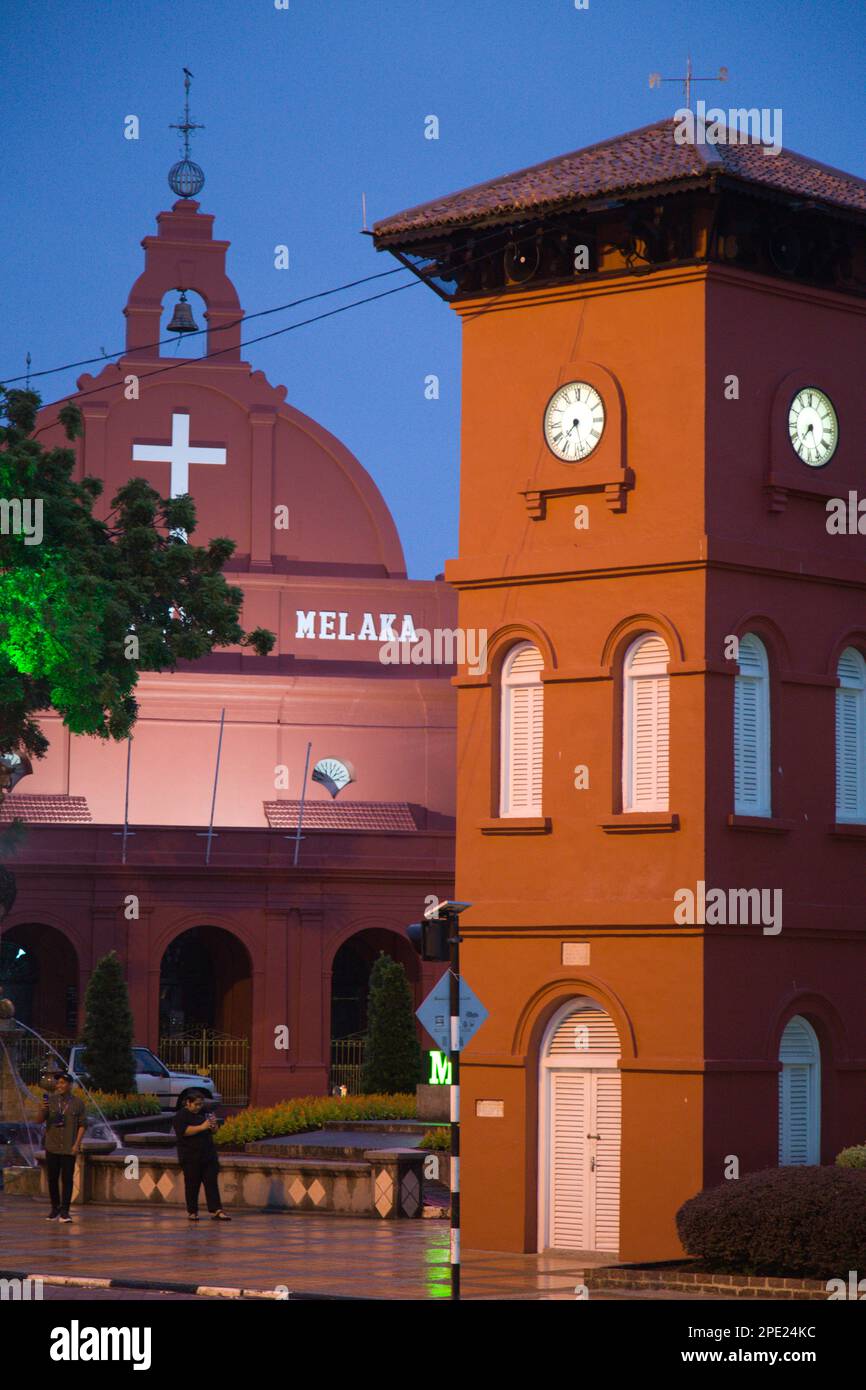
x=435, y=1014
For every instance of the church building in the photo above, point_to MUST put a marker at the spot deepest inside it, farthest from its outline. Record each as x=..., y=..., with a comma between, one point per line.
x=239, y=919
x=661, y=823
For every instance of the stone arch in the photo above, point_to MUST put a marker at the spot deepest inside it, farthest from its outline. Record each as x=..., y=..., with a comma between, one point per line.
x=40, y=971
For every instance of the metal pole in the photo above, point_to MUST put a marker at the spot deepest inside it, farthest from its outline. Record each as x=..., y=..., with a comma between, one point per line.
x=216, y=778
x=301, y=807
x=454, y=1056
x=126, y=802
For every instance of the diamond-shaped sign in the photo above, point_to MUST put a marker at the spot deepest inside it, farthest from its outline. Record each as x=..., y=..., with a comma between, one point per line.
x=435, y=1014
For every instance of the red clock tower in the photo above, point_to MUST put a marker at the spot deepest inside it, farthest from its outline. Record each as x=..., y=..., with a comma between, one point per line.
x=662, y=769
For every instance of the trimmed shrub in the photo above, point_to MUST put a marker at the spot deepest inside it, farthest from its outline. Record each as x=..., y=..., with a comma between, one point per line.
x=392, y=1056
x=804, y=1222
x=107, y=1038
x=437, y=1139
x=117, y=1107
x=855, y=1157
x=309, y=1112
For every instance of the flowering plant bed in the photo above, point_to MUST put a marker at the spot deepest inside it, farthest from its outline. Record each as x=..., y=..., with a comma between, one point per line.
x=309, y=1112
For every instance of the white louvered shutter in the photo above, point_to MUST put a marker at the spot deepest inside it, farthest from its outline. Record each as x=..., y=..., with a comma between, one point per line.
x=752, y=730
x=799, y=1095
x=522, y=733
x=646, y=745
x=851, y=737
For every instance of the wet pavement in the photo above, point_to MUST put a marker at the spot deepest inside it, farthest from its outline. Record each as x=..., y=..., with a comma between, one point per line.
x=311, y=1254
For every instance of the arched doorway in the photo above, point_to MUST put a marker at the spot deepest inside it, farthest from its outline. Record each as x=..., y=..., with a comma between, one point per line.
x=580, y=1110
x=799, y=1094
x=350, y=986
x=350, y=976
x=39, y=973
x=205, y=1007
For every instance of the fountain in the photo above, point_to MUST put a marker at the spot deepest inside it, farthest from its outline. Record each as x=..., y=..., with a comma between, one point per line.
x=20, y=1130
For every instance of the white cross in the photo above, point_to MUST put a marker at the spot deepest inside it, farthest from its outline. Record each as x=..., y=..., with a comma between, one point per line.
x=178, y=453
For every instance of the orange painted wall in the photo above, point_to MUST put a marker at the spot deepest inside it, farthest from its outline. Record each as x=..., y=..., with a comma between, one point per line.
x=695, y=553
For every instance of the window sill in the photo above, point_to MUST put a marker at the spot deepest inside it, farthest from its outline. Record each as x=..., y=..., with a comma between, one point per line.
x=848, y=830
x=516, y=825
x=770, y=825
x=640, y=822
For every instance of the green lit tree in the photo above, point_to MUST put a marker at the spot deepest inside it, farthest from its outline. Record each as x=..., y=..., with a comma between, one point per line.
x=392, y=1056
x=92, y=603
x=107, y=1037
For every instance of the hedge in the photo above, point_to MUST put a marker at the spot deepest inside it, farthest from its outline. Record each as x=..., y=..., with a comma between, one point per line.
x=117, y=1107
x=310, y=1112
x=806, y=1222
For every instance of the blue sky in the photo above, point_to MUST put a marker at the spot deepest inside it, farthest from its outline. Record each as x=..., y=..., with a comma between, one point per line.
x=306, y=108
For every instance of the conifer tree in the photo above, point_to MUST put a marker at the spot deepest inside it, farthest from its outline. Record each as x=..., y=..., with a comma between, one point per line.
x=108, y=1028
x=392, y=1057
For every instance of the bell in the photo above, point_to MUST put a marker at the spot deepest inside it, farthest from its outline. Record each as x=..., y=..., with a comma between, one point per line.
x=182, y=320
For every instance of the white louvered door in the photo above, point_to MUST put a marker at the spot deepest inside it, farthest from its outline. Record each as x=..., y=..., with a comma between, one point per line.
x=581, y=1127
x=608, y=1124
x=569, y=1193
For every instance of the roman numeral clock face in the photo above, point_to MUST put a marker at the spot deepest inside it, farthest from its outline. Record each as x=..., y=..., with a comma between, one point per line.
x=574, y=421
x=813, y=427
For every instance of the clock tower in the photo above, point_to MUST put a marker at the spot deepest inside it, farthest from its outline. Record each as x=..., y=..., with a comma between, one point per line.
x=662, y=766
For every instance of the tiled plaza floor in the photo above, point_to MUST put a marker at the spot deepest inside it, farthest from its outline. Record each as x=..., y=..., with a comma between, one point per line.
x=342, y=1255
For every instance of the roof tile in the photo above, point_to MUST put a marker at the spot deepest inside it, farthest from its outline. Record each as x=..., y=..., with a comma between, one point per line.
x=341, y=815
x=45, y=809
x=641, y=159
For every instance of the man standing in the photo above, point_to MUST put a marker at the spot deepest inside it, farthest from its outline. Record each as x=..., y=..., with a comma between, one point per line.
x=65, y=1121
x=198, y=1158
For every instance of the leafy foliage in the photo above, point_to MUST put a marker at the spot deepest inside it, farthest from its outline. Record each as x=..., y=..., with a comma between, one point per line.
x=107, y=1038
x=392, y=1056
x=310, y=1112
x=788, y=1222
x=855, y=1157
x=95, y=602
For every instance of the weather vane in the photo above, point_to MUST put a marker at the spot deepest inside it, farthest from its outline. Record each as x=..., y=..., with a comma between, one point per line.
x=186, y=178
x=656, y=80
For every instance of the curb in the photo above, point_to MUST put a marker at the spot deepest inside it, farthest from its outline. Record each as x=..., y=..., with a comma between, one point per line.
x=174, y=1286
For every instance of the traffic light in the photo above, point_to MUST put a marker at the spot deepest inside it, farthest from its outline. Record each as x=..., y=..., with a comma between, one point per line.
x=430, y=938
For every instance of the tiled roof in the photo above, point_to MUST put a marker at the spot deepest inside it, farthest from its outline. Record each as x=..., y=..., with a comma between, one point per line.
x=341, y=815
x=642, y=159
x=45, y=810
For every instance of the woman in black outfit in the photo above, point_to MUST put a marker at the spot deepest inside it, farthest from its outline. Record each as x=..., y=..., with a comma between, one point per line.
x=198, y=1158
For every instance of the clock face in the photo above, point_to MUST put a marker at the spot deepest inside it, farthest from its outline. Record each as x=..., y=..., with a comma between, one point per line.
x=813, y=426
x=574, y=421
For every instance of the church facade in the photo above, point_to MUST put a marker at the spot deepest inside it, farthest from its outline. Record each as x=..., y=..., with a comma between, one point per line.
x=261, y=932
x=662, y=769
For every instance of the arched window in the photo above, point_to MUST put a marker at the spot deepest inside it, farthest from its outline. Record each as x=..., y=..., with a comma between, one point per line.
x=646, y=725
x=752, y=730
x=521, y=734
x=799, y=1094
x=851, y=737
